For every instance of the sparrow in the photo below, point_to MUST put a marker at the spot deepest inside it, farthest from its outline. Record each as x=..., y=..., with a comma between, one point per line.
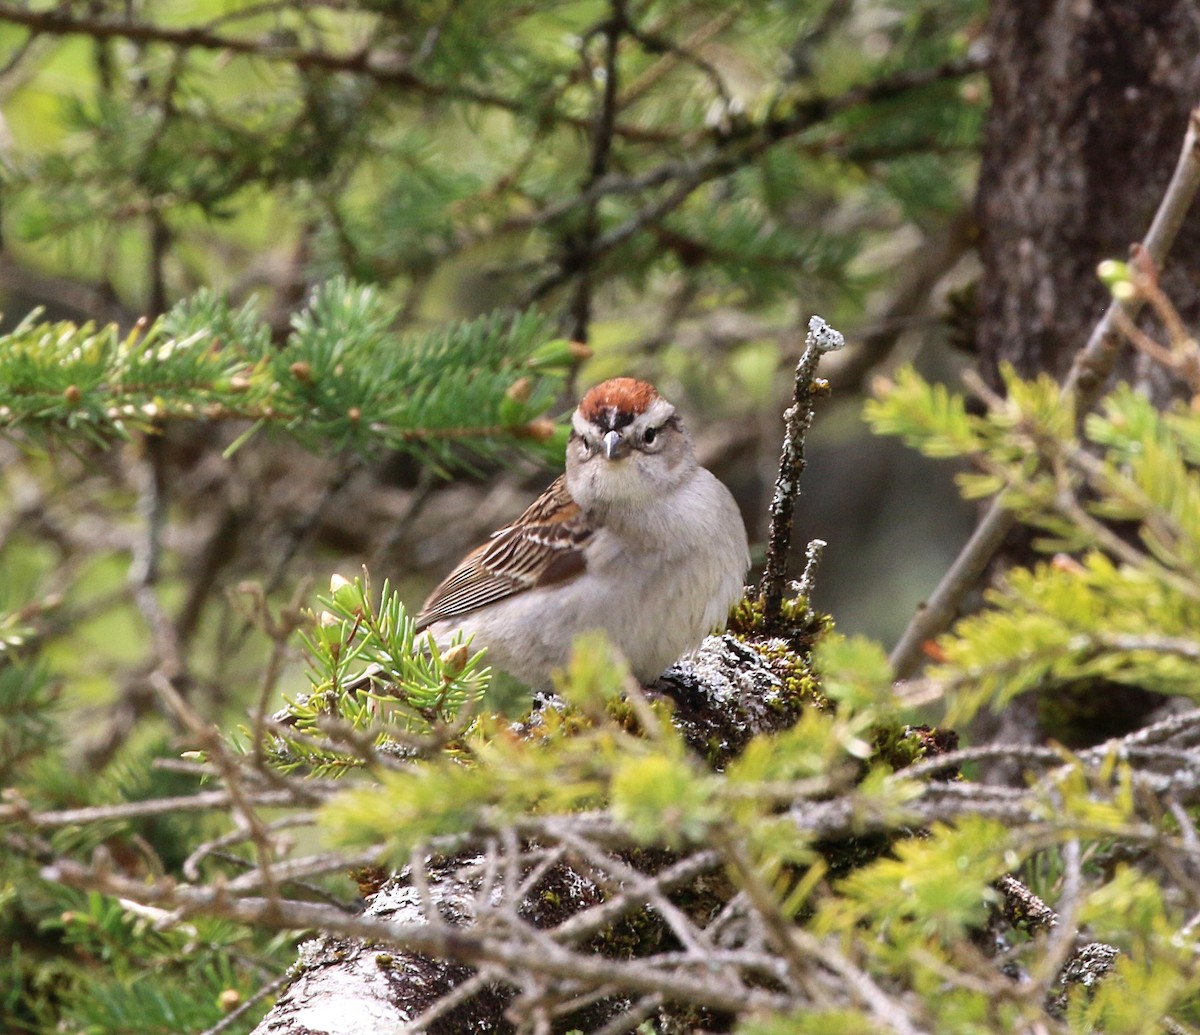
x=635, y=538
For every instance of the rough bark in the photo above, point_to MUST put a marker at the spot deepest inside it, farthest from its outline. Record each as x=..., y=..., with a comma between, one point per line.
x=1090, y=99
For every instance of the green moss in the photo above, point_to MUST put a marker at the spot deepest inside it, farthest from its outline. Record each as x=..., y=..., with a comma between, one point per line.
x=793, y=668
x=798, y=623
x=899, y=745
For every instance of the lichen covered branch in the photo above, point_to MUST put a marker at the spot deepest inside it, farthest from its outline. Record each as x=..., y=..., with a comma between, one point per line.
x=821, y=338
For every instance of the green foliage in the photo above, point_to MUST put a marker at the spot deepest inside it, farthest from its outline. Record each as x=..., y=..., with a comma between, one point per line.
x=620, y=753
x=1123, y=608
x=904, y=913
x=27, y=720
x=813, y=1022
x=581, y=759
x=79, y=961
x=894, y=906
x=934, y=888
x=441, y=151
x=342, y=379
x=855, y=671
x=417, y=691
x=135, y=976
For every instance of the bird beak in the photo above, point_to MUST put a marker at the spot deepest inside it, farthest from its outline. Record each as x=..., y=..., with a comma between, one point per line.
x=615, y=446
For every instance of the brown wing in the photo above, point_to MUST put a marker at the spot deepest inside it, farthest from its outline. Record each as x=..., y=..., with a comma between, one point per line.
x=542, y=547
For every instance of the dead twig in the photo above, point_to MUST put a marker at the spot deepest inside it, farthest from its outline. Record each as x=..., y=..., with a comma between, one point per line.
x=821, y=338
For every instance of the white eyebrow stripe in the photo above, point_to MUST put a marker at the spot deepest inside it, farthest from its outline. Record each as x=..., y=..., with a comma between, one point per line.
x=579, y=425
x=657, y=413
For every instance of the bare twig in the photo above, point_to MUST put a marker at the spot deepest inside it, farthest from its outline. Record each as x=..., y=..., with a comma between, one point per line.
x=268, y=989
x=434, y=936
x=1095, y=361
x=1062, y=934
x=488, y=909
x=821, y=338
x=1022, y=908
x=733, y=148
x=812, y=561
x=580, y=249
x=204, y=801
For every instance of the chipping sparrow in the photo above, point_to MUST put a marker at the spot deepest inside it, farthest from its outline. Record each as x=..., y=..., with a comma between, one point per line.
x=636, y=539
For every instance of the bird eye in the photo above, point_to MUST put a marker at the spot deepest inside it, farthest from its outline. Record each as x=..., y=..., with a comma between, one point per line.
x=650, y=435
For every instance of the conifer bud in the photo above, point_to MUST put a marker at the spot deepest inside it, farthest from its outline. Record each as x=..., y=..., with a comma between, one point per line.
x=329, y=630
x=520, y=390
x=344, y=591
x=72, y=394
x=302, y=371
x=558, y=353
x=540, y=430
x=455, y=659
x=1067, y=564
x=328, y=620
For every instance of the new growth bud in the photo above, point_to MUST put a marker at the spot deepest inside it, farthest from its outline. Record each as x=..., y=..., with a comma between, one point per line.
x=520, y=390
x=345, y=593
x=1111, y=271
x=540, y=430
x=455, y=659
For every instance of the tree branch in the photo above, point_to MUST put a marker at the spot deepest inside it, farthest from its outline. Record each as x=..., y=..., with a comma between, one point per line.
x=386, y=69
x=821, y=338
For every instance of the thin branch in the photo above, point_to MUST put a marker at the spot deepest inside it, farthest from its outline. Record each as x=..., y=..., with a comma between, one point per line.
x=1062, y=934
x=1094, y=363
x=388, y=69
x=736, y=146
x=812, y=561
x=673, y=53
x=268, y=989
x=204, y=801
x=580, y=249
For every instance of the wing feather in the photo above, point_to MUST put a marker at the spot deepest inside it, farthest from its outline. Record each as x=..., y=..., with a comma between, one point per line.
x=543, y=547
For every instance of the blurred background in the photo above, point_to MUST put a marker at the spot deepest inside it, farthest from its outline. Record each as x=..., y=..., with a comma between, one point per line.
x=678, y=184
